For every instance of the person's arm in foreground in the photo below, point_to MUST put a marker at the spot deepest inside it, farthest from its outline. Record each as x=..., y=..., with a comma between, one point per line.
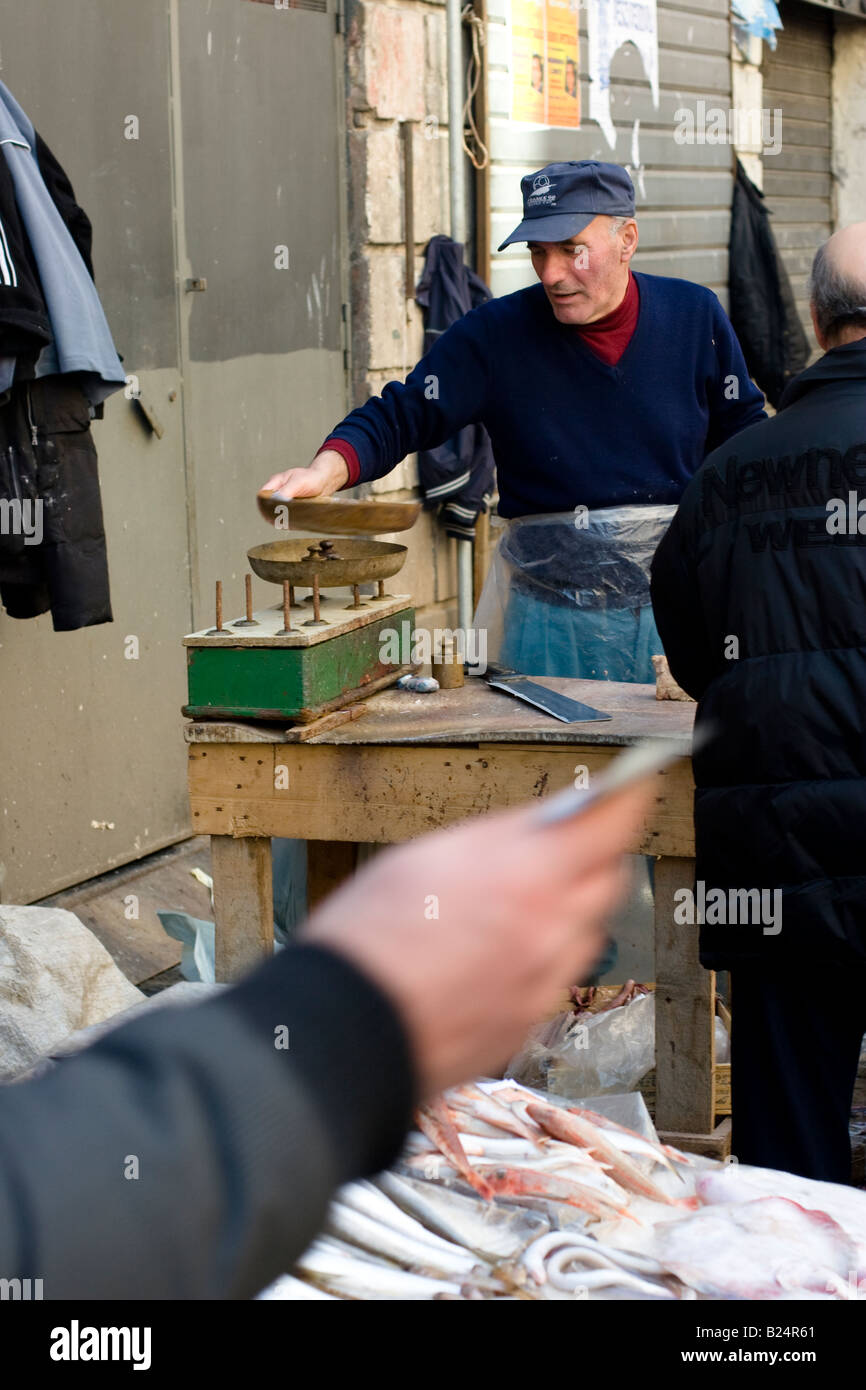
x=192, y=1155
x=449, y=388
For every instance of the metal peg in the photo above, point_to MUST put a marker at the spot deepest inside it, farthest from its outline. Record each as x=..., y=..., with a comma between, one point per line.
x=317, y=620
x=219, y=629
x=356, y=599
x=287, y=610
x=249, y=620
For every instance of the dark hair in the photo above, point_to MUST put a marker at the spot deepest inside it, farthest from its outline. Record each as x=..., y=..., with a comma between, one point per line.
x=838, y=301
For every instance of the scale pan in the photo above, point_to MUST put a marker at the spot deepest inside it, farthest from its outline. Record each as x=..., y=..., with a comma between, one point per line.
x=344, y=516
x=355, y=562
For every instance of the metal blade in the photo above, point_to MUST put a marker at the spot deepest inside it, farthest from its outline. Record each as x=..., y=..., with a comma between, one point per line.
x=550, y=701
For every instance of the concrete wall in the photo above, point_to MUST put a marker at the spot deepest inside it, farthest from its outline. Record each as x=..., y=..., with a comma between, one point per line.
x=396, y=71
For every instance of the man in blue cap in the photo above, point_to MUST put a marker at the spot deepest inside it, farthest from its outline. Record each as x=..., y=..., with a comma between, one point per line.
x=602, y=391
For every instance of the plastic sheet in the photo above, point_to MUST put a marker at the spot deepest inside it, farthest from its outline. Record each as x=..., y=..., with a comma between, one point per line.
x=597, y=1054
x=567, y=594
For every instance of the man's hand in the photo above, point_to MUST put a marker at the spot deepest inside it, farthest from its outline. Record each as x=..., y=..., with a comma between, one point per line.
x=473, y=930
x=326, y=474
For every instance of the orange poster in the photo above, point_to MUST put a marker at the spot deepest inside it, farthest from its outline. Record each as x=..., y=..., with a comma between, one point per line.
x=545, y=62
x=563, y=90
x=528, y=85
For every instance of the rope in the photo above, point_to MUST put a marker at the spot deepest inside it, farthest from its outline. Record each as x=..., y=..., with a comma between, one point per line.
x=476, y=150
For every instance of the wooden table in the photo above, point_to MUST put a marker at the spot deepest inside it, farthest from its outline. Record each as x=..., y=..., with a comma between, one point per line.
x=412, y=763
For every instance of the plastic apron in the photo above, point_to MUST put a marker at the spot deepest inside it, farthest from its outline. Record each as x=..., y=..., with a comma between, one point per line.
x=567, y=594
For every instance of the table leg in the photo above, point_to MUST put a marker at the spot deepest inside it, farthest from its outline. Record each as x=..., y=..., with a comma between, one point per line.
x=685, y=995
x=243, y=903
x=329, y=862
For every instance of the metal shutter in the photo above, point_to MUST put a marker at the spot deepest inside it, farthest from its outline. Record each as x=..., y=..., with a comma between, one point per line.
x=684, y=209
x=797, y=181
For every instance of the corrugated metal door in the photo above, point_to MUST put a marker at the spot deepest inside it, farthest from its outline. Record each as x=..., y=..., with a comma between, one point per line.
x=683, y=190
x=797, y=181
x=235, y=152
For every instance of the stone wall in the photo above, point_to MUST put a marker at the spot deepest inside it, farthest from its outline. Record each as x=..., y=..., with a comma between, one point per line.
x=397, y=71
x=849, y=123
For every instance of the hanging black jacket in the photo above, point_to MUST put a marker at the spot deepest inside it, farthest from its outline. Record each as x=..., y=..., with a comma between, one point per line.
x=762, y=308
x=47, y=455
x=762, y=612
x=460, y=472
x=24, y=324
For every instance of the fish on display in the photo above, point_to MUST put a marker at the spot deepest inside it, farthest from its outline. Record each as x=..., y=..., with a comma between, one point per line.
x=487, y=1108
x=492, y=1230
x=763, y=1249
x=288, y=1289
x=501, y=1194
x=572, y=1128
x=737, y=1183
x=344, y=1270
x=419, y=1255
x=435, y=1121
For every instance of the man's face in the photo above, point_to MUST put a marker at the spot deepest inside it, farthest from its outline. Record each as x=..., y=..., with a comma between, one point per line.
x=585, y=277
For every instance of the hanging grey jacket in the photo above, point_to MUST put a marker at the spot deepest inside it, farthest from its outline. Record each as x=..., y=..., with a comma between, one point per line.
x=190, y=1155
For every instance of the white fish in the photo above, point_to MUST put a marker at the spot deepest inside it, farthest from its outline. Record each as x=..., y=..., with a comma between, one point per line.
x=477, y=1146
x=477, y=1103
x=755, y=1250
x=534, y=1257
x=348, y=1274
x=593, y=1279
x=359, y=1229
x=288, y=1288
x=737, y=1182
x=635, y=1144
x=470, y=1124
x=370, y=1200
x=493, y=1231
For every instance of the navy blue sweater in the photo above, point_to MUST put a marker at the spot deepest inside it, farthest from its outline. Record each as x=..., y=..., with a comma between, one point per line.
x=566, y=428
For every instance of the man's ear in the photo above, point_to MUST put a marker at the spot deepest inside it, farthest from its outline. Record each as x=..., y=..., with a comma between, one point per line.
x=822, y=341
x=629, y=240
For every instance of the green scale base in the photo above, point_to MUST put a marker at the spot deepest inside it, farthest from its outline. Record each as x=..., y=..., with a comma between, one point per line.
x=255, y=673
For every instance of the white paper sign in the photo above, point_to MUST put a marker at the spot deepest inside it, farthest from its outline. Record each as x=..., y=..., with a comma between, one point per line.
x=610, y=24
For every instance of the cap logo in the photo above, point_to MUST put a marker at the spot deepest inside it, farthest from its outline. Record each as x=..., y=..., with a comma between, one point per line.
x=542, y=192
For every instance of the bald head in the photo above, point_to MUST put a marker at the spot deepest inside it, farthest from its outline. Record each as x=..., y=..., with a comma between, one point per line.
x=837, y=287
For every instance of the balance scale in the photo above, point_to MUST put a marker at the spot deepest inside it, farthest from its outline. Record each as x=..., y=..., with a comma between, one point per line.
x=307, y=656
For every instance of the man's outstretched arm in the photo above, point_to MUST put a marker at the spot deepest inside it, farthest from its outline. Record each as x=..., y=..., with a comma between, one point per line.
x=449, y=388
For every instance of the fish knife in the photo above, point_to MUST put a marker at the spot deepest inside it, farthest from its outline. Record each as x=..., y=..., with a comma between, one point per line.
x=561, y=707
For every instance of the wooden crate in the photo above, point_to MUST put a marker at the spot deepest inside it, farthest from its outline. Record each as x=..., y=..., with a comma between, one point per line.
x=721, y=1089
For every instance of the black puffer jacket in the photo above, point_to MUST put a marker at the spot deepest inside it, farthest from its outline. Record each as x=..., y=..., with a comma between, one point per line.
x=750, y=566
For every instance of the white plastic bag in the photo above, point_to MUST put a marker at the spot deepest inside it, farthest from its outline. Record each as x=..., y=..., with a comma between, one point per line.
x=594, y=1055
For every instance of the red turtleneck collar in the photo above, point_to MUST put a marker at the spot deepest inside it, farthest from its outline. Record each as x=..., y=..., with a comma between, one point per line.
x=610, y=336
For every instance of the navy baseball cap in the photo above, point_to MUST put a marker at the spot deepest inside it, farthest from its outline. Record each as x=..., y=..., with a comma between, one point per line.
x=561, y=199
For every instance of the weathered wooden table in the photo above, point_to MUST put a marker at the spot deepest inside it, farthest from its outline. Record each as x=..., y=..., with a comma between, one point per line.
x=412, y=763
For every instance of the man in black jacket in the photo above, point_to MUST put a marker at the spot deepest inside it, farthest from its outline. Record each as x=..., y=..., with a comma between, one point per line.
x=759, y=592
